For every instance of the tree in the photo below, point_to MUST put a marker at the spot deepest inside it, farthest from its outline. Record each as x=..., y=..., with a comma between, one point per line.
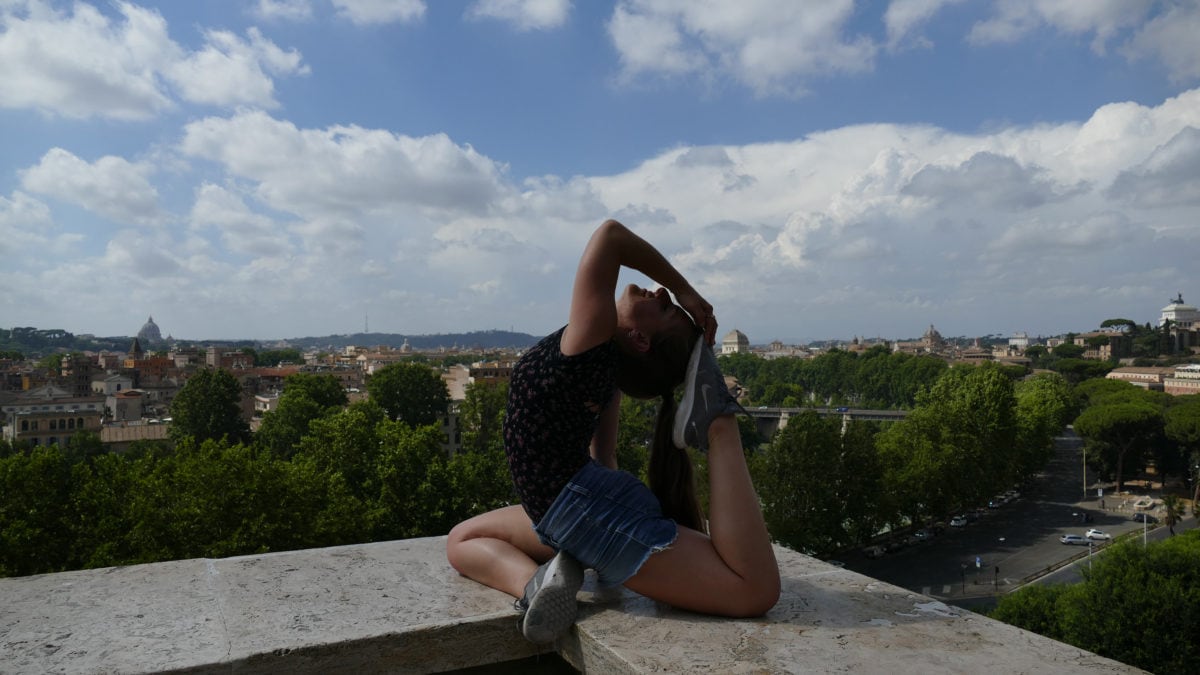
x=34, y=512
x=819, y=516
x=801, y=513
x=1115, y=430
x=481, y=416
x=635, y=435
x=1034, y=608
x=274, y=357
x=1173, y=511
x=1068, y=350
x=1044, y=405
x=957, y=447
x=1037, y=355
x=414, y=497
x=209, y=407
x=305, y=397
x=1182, y=424
x=412, y=393
x=1125, y=325
x=1138, y=605
x=347, y=443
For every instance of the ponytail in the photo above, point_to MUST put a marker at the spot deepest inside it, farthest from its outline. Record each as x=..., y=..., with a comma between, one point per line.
x=657, y=373
x=671, y=475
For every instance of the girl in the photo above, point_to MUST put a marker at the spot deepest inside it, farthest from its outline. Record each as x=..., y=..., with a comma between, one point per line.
x=577, y=510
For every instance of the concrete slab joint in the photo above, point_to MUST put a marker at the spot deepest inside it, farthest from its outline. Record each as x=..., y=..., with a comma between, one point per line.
x=399, y=607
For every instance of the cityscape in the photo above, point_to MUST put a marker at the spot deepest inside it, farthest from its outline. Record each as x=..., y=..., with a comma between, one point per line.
x=126, y=396
x=268, y=267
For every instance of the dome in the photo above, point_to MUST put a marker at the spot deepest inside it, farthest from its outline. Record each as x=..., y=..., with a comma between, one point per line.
x=150, y=334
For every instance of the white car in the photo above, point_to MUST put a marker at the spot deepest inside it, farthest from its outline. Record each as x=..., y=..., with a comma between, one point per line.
x=958, y=521
x=1097, y=534
x=1072, y=539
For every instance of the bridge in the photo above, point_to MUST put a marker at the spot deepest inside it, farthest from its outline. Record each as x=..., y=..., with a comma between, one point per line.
x=770, y=420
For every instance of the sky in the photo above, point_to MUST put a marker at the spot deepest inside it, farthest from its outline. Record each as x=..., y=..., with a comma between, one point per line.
x=817, y=170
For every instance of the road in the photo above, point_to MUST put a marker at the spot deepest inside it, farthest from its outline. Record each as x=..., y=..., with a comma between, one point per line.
x=1012, y=545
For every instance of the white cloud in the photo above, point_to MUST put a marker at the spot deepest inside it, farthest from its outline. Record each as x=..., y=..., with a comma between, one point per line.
x=26, y=226
x=767, y=46
x=523, y=14
x=230, y=71
x=346, y=171
x=1095, y=232
x=1171, y=38
x=284, y=10
x=988, y=179
x=111, y=186
x=903, y=17
x=369, y=12
x=1170, y=175
x=83, y=64
x=1015, y=19
x=241, y=230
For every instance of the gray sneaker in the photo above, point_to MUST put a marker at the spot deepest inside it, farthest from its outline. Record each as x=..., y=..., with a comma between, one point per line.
x=549, y=604
x=705, y=397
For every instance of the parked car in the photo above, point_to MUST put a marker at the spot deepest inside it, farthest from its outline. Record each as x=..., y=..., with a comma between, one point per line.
x=1097, y=534
x=924, y=534
x=958, y=521
x=1073, y=539
x=1144, y=518
x=873, y=551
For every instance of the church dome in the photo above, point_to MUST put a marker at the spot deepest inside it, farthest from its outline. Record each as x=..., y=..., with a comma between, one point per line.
x=150, y=334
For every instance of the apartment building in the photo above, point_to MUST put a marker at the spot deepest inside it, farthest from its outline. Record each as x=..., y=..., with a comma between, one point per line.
x=1185, y=380
x=1147, y=378
x=49, y=415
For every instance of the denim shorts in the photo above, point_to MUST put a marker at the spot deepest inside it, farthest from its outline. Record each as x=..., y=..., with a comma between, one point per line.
x=609, y=521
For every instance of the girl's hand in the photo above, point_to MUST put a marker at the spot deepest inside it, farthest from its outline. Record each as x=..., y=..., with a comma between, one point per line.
x=701, y=312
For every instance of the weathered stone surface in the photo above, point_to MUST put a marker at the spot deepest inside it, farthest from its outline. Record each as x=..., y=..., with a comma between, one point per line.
x=399, y=607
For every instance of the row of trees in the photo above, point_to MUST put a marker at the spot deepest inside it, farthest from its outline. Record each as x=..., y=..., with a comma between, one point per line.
x=972, y=434
x=1137, y=604
x=334, y=473
x=318, y=473
x=875, y=378
x=1125, y=428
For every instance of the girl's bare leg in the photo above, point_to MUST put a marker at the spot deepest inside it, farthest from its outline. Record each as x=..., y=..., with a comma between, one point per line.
x=498, y=549
x=732, y=571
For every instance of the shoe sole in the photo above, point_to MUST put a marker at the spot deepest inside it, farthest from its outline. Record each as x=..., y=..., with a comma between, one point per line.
x=684, y=412
x=553, y=608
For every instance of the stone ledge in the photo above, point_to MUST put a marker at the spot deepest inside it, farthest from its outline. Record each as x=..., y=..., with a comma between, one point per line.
x=399, y=607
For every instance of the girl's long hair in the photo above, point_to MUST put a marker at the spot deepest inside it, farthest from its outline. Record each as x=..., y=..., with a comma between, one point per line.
x=657, y=373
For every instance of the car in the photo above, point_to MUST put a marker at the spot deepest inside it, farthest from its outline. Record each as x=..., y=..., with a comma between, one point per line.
x=1144, y=518
x=958, y=521
x=873, y=551
x=996, y=502
x=924, y=534
x=843, y=409
x=1097, y=534
x=1073, y=539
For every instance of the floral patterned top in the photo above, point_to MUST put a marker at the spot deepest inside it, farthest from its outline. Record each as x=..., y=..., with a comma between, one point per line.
x=554, y=404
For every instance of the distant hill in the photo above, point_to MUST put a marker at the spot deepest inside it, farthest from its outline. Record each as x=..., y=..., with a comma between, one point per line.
x=478, y=341
x=35, y=343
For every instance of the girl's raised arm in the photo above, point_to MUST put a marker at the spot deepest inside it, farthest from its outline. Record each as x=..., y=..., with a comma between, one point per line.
x=593, y=315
